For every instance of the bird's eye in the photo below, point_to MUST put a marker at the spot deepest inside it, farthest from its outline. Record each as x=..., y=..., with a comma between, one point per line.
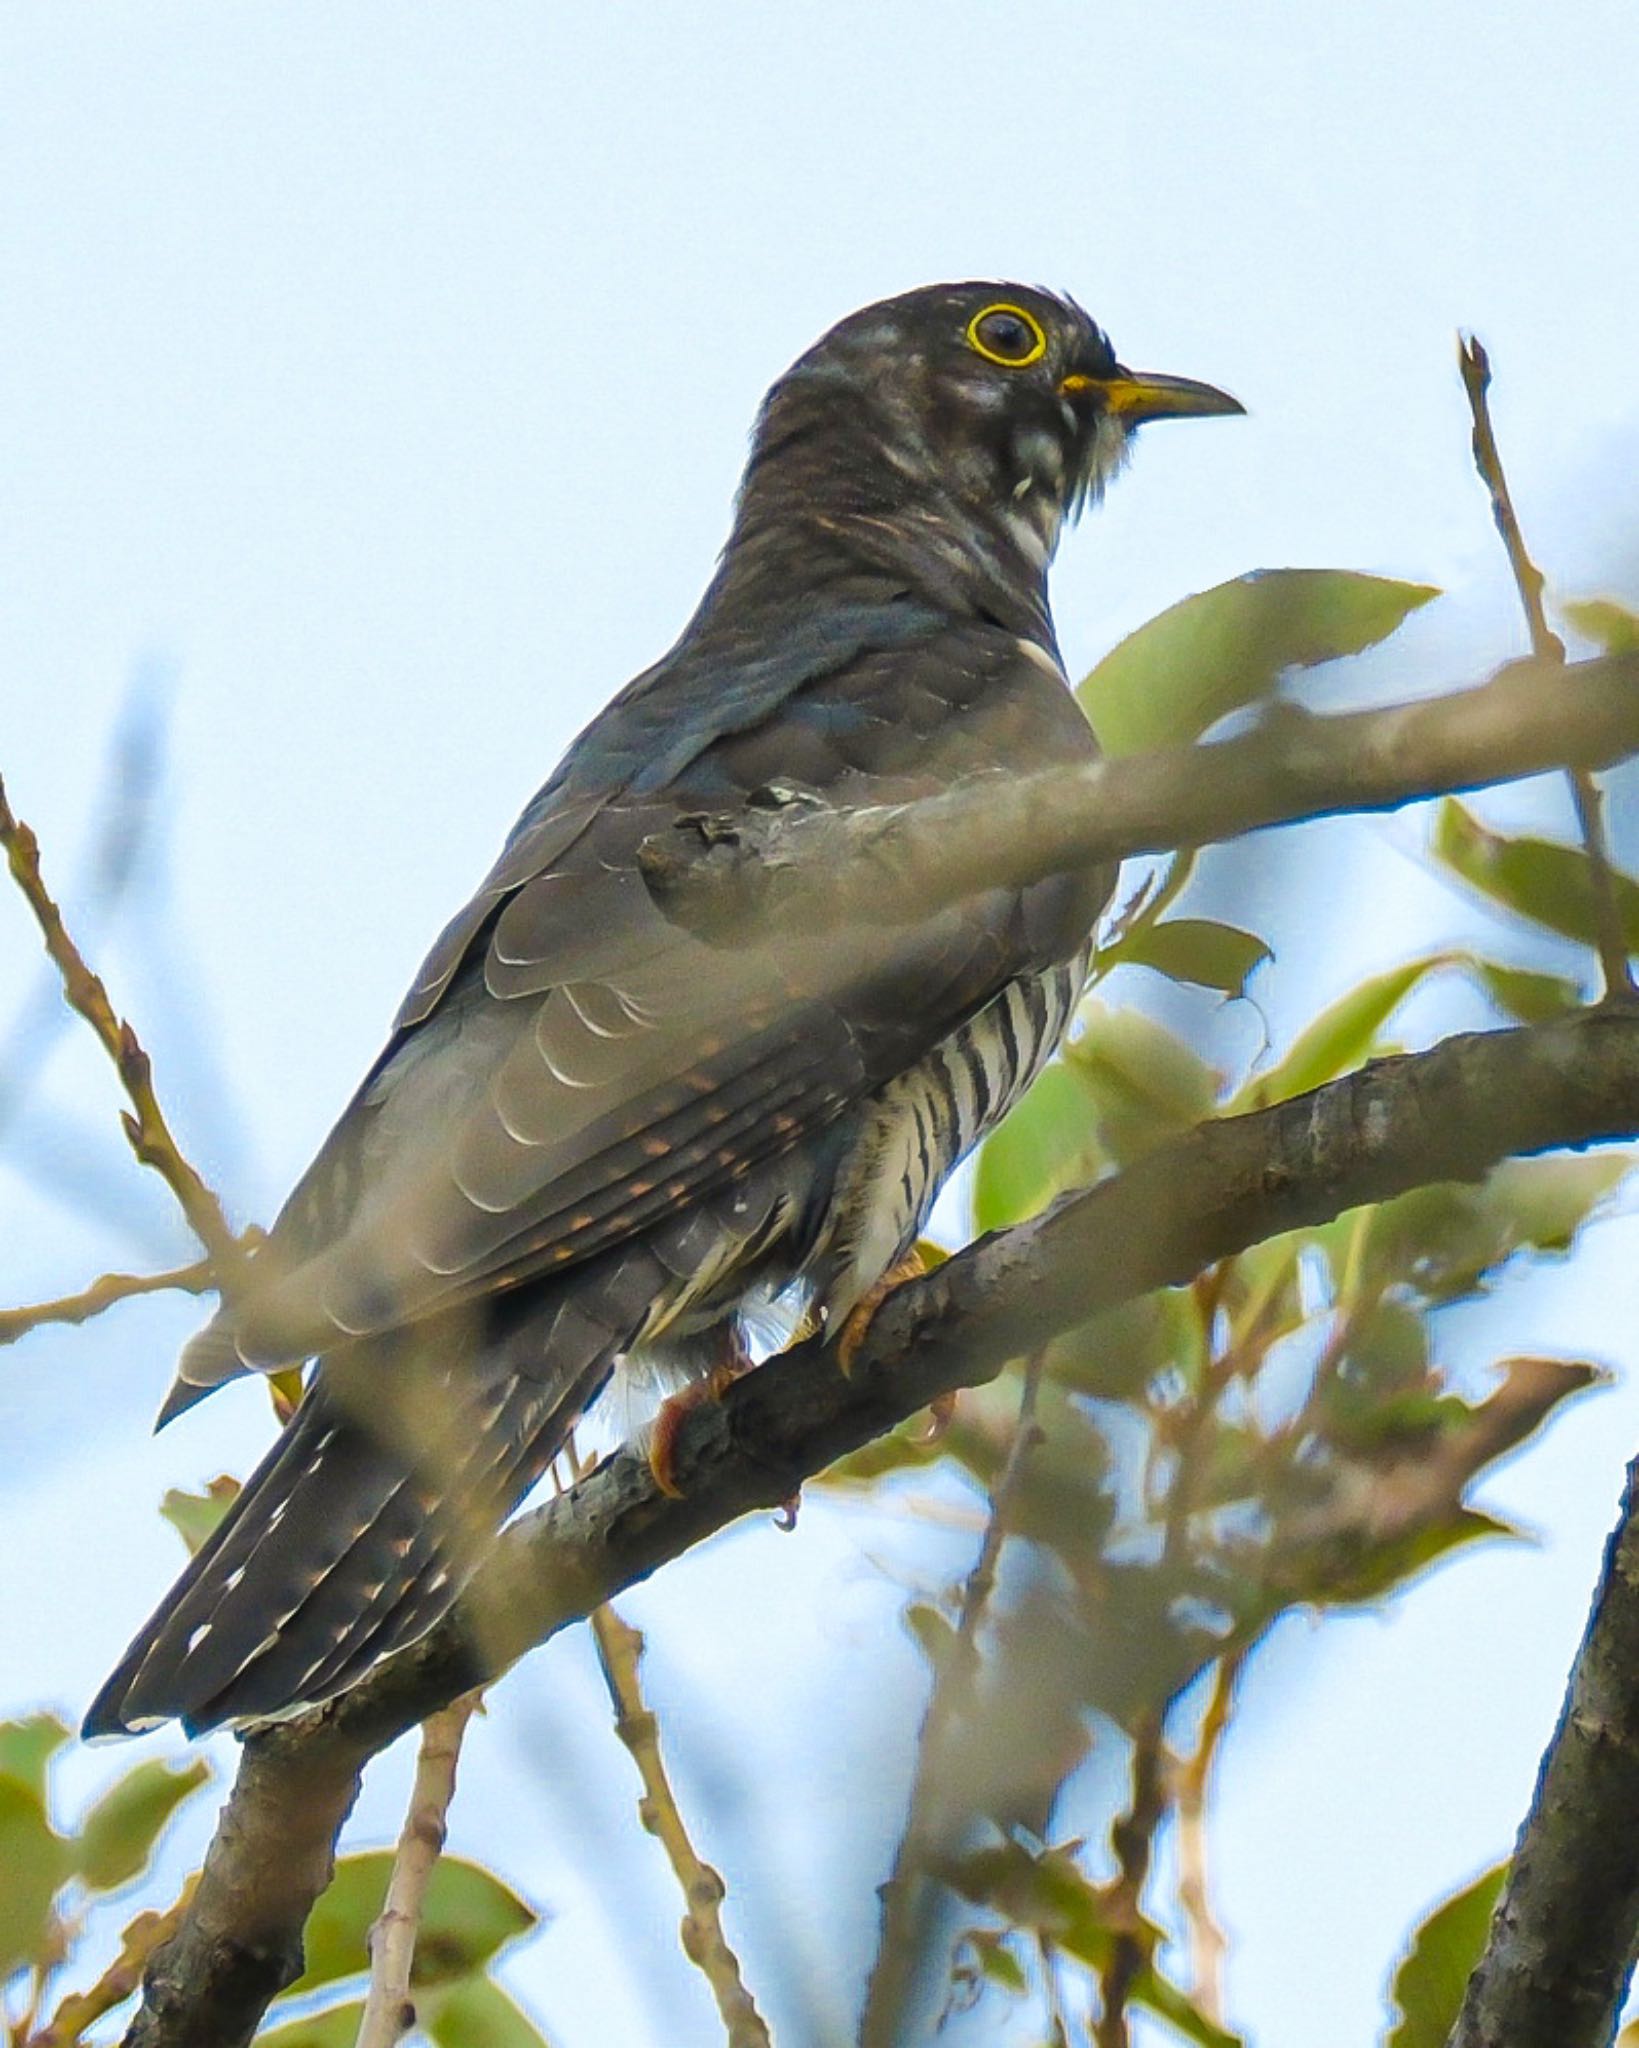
x=1007, y=335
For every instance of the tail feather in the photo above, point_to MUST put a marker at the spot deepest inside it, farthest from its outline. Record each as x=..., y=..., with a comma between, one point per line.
x=345, y=1544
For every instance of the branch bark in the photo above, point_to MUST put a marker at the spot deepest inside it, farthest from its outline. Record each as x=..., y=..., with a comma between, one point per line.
x=815, y=868
x=1561, y=1950
x=1447, y=1114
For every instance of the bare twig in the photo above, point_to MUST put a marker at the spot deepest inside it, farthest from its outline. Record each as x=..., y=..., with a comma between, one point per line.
x=1548, y=648
x=620, y=1649
x=389, y=2010
x=147, y=1131
x=1447, y=1114
x=198, y=1278
x=1192, y=1779
x=906, y=1895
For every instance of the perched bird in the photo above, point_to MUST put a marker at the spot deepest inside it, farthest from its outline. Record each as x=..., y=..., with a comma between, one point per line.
x=597, y=1139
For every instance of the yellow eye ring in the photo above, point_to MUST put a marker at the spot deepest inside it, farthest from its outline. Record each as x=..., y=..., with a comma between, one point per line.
x=1038, y=338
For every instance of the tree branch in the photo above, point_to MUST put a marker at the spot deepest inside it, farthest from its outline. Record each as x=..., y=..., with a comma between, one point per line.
x=1561, y=1951
x=1447, y=1114
x=815, y=868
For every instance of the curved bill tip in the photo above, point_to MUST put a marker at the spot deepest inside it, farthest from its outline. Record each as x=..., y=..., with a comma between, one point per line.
x=1135, y=396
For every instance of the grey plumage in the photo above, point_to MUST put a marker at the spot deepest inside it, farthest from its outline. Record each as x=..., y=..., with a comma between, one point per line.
x=594, y=1135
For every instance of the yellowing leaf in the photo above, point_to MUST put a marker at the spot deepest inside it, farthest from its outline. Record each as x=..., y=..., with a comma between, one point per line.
x=1145, y=1081
x=194, y=1516
x=1608, y=624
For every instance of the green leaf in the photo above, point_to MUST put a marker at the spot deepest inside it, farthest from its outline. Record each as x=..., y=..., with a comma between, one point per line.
x=1145, y=1081
x=1193, y=949
x=933, y=1630
x=1044, y=1145
x=34, y=1861
x=1366, y=1579
x=1341, y=1037
x=27, y=1746
x=336, y=2027
x=1210, y=654
x=1543, y=1203
x=1048, y=1894
x=1446, y=1240
x=477, y=2014
x=1526, y=996
x=1602, y=620
x=1119, y=1352
x=1429, y=1984
x=118, y=1834
x=469, y=1913
x=1538, y=879
x=194, y=1516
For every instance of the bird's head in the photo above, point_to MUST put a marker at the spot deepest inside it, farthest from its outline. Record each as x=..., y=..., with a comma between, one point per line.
x=1008, y=398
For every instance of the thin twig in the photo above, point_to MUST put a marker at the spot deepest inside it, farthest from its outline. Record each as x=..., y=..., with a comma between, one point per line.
x=904, y=1896
x=1192, y=1780
x=1546, y=646
x=198, y=1278
x=620, y=1649
x=389, y=2010
x=147, y=1131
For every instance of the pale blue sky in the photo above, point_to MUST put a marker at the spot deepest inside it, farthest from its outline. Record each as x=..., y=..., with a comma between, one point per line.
x=381, y=375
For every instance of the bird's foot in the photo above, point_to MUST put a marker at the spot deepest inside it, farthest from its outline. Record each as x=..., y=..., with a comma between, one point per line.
x=911, y=1267
x=675, y=1410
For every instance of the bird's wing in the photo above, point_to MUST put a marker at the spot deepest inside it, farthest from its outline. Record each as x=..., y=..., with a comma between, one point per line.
x=574, y=1065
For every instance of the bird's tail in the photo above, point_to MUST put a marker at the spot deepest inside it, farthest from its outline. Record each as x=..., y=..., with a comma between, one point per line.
x=359, y=1529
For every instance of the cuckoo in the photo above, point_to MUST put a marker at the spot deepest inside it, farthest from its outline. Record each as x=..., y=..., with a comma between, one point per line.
x=597, y=1141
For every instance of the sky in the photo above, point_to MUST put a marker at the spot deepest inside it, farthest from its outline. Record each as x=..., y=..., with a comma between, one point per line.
x=373, y=384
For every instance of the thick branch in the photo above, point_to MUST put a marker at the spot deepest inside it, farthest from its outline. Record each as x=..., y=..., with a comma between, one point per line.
x=815, y=868
x=1448, y=1114
x=1556, y=1968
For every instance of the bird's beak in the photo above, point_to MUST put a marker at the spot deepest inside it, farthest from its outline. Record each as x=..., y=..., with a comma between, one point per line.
x=1134, y=396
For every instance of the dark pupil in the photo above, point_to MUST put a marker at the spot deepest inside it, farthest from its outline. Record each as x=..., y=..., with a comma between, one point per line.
x=1005, y=334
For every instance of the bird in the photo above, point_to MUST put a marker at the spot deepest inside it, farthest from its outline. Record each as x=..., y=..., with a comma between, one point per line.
x=598, y=1142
